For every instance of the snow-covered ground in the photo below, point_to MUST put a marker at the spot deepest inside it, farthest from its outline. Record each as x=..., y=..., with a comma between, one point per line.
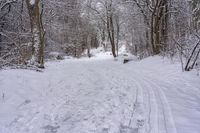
x=100, y=95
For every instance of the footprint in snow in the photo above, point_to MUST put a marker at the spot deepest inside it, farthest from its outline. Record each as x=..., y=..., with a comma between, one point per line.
x=51, y=129
x=127, y=129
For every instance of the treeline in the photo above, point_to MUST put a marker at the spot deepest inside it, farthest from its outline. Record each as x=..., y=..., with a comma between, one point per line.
x=31, y=29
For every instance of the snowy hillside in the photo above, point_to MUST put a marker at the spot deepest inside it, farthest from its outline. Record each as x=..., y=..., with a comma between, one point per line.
x=100, y=95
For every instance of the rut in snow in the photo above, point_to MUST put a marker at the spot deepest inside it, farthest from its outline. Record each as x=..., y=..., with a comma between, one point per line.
x=98, y=96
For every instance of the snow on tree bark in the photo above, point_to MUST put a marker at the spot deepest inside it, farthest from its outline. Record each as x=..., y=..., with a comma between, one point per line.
x=37, y=33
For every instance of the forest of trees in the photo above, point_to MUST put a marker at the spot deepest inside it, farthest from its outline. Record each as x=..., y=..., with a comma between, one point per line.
x=31, y=29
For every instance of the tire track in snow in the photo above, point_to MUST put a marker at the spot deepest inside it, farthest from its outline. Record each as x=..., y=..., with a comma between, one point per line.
x=163, y=107
x=150, y=95
x=158, y=104
x=137, y=121
x=151, y=106
x=117, y=82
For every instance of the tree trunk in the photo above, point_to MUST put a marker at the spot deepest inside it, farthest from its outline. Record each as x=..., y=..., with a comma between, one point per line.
x=159, y=25
x=195, y=60
x=37, y=33
x=88, y=41
x=117, y=43
x=187, y=68
x=152, y=33
x=111, y=31
x=104, y=39
x=112, y=36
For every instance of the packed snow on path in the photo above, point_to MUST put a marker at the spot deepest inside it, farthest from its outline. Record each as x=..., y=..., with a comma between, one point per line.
x=100, y=95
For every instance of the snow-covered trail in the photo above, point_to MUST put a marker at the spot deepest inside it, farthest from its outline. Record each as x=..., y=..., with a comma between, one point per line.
x=100, y=96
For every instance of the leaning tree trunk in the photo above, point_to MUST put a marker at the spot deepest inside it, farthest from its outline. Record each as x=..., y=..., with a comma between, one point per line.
x=187, y=67
x=195, y=59
x=37, y=33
